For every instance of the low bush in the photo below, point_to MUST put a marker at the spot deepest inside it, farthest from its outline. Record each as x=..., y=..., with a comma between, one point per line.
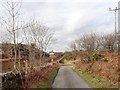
x=62, y=61
x=36, y=76
x=69, y=56
x=33, y=77
x=97, y=56
x=11, y=80
x=105, y=59
x=85, y=57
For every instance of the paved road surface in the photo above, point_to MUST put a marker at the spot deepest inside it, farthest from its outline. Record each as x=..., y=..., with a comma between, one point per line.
x=67, y=78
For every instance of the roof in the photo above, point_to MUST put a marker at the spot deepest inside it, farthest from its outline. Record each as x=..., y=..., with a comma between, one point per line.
x=51, y=52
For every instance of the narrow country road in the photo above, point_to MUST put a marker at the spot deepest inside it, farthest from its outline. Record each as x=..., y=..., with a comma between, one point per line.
x=67, y=78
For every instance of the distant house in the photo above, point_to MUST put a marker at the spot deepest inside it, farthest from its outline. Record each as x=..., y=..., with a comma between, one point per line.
x=52, y=55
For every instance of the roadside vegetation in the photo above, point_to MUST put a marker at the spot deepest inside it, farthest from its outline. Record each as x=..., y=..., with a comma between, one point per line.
x=46, y=84
x=68, y=56
x=95, y=82
x=97, y=56
x=25, y=60
x=41, y=78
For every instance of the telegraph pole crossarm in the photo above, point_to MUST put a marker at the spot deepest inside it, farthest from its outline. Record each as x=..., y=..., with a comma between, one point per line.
x=115, y=10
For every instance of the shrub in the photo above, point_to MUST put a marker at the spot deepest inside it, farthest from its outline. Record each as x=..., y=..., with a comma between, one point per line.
x=62, y=61
x=105, y=59
x=11, y=80
x=97, y=56
x=68, y=56
x=85, y=57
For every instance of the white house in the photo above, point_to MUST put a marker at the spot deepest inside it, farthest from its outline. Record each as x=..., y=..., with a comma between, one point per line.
x=52, y=55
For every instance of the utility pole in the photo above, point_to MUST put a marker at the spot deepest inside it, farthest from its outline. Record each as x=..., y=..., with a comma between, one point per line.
x=119, y=44
x=115, y=30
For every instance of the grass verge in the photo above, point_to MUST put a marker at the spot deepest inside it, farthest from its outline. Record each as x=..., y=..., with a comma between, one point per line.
x=46, y=84
x=95, y=82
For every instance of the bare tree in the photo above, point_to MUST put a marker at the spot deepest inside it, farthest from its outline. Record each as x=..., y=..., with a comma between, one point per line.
x=41, y=36
x=31, y=45
x=87, y=42
x=73, y=46
x=12, y=24
x=96, y=42
x=78, y=44
x=108, y=42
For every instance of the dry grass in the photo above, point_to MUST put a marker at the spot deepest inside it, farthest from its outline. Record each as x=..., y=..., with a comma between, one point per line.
x=102, y=69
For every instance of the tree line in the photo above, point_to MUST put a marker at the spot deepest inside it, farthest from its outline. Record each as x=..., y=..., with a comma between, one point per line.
x=95, y=42
x=33, y=33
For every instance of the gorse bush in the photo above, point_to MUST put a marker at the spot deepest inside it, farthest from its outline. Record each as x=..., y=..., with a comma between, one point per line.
x=97, y=56
x=105, y=59
x=62, y=61
x=68, y=56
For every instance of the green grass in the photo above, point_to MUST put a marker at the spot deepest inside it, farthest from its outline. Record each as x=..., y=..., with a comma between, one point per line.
x=95, y=82
x=46, y=84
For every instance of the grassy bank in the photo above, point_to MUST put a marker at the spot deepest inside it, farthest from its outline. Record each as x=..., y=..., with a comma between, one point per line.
x=48, y=83
x=95, y=82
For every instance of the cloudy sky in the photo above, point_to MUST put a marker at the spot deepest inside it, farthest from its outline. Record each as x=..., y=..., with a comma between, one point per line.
x=71, y=18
